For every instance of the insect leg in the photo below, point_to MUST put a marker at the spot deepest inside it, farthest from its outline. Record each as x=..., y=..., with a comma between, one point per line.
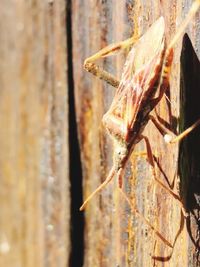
x=193, y=10
x=152, y=163
x=134, y=209
x=168, y=134
x=109, y=50
x=169, y=139
x=161, y=128
x=165, y=73
x=167, y=61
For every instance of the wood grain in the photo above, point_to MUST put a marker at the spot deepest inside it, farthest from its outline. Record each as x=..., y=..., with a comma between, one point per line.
x=34, y=191
x=114, y=235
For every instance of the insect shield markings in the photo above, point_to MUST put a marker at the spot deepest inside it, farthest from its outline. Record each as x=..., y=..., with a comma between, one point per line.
x=144, y=80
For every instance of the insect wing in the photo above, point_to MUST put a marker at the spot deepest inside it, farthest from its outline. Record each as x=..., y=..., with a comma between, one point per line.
x=141, y=70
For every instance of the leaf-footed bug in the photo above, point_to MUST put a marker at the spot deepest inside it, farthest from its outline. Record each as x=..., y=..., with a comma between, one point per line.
x=143, y=83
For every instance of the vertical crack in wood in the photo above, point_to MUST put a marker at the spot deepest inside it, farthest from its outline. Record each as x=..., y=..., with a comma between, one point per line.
x=77, y=221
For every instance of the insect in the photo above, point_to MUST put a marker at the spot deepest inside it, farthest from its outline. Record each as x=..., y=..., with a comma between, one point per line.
x=144, y=81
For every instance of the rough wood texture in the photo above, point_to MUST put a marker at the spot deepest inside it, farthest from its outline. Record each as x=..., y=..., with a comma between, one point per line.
x=34, y=191
x=114, y=235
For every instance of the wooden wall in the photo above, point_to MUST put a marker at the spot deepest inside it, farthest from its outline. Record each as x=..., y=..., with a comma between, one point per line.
x=50, y=118
x=115, y=235
x=34, y=190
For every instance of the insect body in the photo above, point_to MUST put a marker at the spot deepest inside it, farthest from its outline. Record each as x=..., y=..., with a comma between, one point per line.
x=144, y=81
x=135, y=97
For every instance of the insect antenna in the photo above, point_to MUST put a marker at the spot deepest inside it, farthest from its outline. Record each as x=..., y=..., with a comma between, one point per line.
x=108, y=179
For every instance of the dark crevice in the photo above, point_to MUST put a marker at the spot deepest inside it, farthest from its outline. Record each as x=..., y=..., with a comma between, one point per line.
x=189, y=153
x=77, y=220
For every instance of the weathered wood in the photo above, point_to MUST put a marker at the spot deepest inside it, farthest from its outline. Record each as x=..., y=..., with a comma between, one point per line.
x=114, y=235
x=34, y=191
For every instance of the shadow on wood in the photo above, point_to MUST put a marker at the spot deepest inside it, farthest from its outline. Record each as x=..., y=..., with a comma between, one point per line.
x=189, y=153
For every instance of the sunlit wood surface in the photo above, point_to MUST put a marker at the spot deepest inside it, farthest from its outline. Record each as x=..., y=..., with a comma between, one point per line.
x=34, y=186
x=115, y=235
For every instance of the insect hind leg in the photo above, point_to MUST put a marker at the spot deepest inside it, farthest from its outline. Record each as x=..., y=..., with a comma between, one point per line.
x=134, y=209
x=166, y=188
x=109, y=50
x=169, y=137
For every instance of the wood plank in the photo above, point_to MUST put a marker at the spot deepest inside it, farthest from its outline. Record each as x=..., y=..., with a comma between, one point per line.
x=114, y=235
x=34, y=192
